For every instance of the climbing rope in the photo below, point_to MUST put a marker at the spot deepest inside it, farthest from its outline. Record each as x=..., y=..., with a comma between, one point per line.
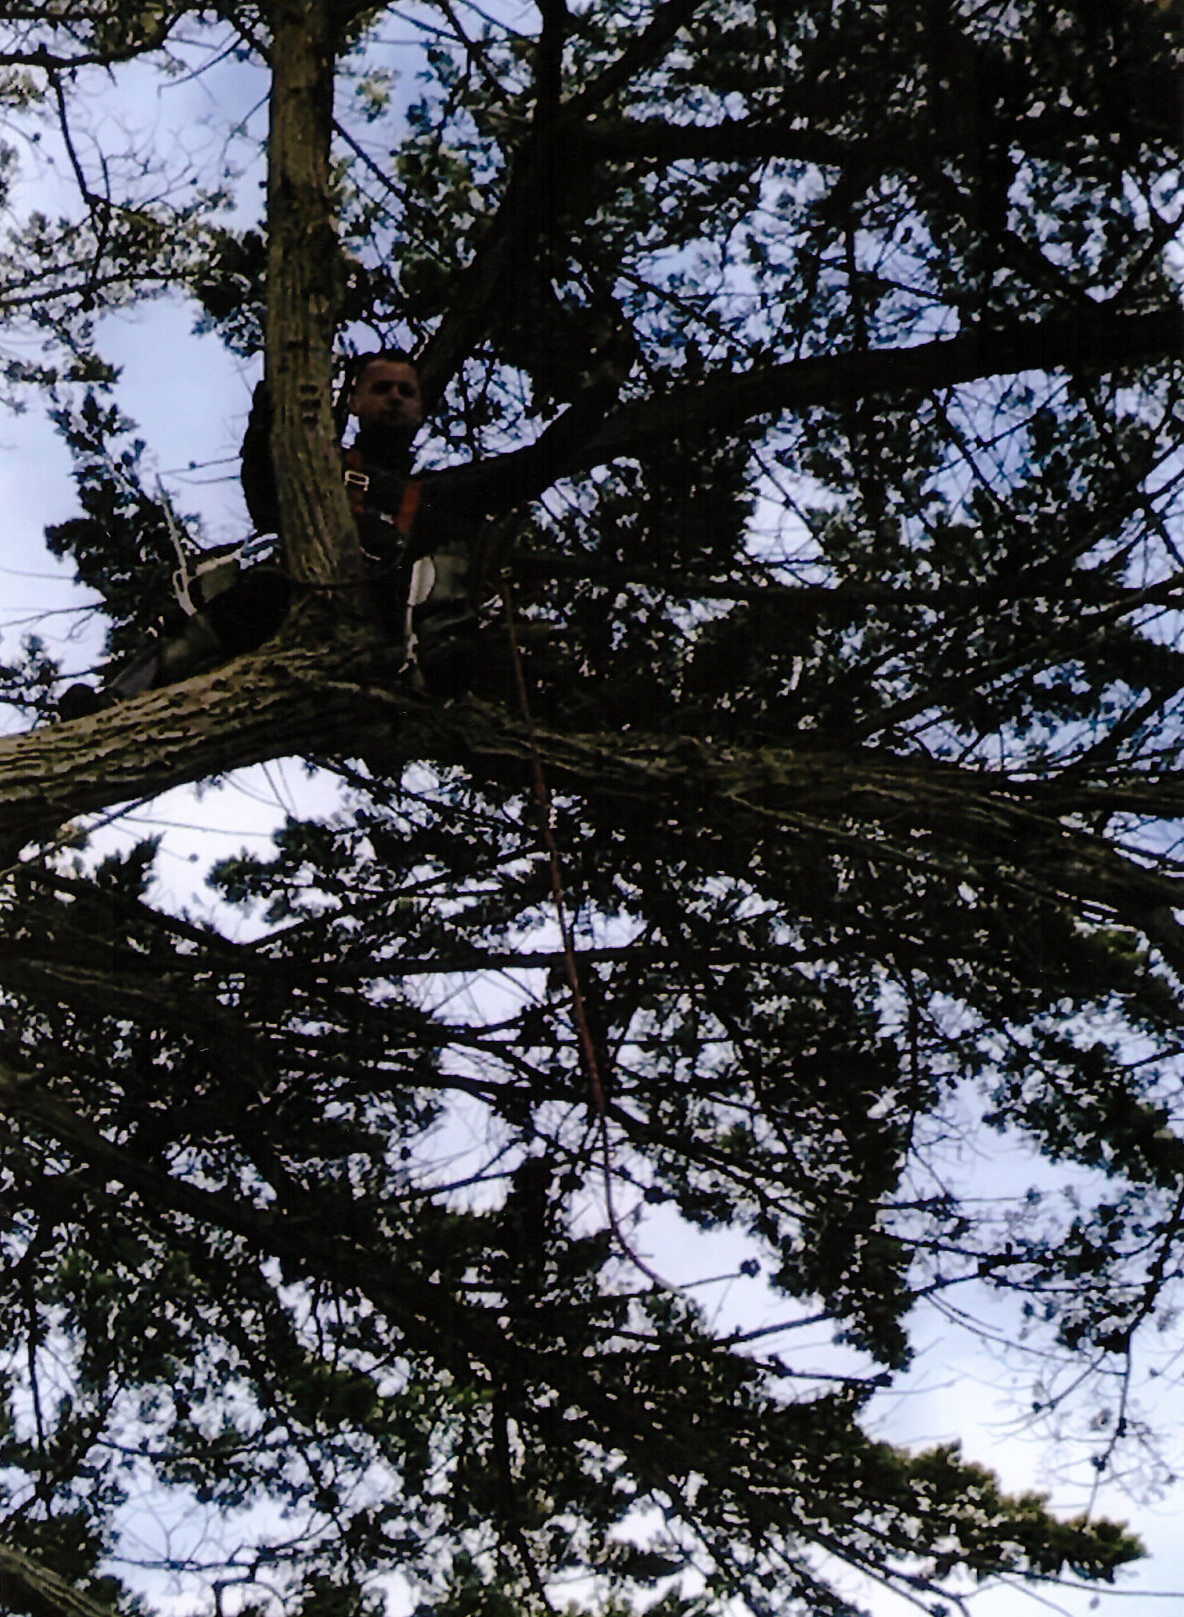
x=587, y=1044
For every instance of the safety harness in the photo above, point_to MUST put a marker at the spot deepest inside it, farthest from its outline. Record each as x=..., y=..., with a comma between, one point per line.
x=201, y=575
x=440, y=579
x=357, y=486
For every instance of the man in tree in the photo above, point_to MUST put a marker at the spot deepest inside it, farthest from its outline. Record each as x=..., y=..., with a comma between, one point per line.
x=868, y=803
x=417, y=533
x=433, y=517
x=382, y=392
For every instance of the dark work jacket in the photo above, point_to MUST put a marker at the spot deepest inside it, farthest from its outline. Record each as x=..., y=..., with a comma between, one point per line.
x=454, y=503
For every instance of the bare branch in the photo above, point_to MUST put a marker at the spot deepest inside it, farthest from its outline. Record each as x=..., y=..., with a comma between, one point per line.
x=1105, y=342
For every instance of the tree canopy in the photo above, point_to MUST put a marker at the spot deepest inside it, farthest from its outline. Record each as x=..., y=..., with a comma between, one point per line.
x=833, y=833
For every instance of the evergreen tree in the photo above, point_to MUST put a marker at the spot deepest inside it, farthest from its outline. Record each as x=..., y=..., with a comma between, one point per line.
x=850, y=749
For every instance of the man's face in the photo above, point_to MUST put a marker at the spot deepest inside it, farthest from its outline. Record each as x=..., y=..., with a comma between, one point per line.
x=386, y=397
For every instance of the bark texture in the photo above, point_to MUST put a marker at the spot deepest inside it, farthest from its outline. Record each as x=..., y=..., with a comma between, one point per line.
x=303, y=276
x=258, y=707
x=309, y=702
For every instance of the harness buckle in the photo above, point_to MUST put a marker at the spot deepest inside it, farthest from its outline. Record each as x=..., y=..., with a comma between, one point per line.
x=356, y=480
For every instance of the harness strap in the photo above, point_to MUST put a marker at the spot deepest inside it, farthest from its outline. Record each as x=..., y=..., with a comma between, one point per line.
x=356, y=481
x=357, y=485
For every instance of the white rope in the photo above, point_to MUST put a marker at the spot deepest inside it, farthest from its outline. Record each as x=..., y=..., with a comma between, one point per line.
x=181, y=576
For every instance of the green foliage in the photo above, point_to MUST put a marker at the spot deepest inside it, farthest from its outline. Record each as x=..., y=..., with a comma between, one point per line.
x=123, y=545
x=229, y=285
x=860, y=715
x=28, y=683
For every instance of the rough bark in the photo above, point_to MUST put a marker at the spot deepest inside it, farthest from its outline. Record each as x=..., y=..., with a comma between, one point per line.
x=303, y=274
x=259, y=707
x=32, y=1581
x=304, y=701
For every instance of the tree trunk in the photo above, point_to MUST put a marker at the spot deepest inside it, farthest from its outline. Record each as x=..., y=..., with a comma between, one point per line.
x=303, y=275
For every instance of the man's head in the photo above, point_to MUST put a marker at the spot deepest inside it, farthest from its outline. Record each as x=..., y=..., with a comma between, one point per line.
x=385, y=394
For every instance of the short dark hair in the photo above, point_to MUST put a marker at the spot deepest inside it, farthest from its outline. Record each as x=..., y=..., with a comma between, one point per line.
x=358, y=363
x=351, y=375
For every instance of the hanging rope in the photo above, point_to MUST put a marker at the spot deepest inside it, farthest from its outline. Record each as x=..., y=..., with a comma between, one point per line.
x=589, y=1060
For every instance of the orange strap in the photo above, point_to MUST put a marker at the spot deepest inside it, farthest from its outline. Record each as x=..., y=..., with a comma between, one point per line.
x=408, y=506
x=357, y=486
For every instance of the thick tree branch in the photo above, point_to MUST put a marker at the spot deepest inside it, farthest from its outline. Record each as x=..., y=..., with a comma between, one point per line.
x=1092, y=339
x=736, y=140
x=41, y=1585
x=630, y=140
x=1098, y=342
x=258, y=707
x=300, y=701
